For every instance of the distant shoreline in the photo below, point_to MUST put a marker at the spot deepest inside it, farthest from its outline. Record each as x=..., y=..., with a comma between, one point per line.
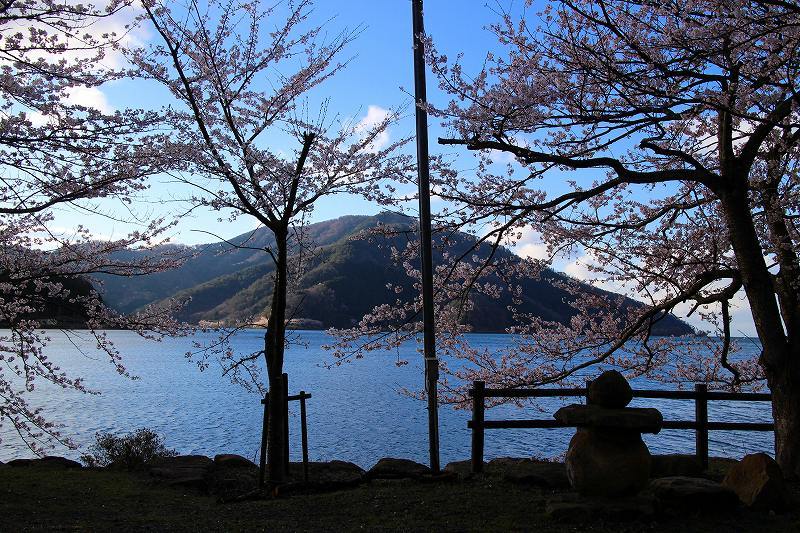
x=701, y=335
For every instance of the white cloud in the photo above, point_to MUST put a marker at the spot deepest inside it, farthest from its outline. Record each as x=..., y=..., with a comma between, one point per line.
x=530, y=245
x=89, y=97
x=581, y=269
x=706, y=139
x=117, y=27
x=375, y=116
x=578, y=269
x=84, y=96
x=501, y=157
x=38, y=119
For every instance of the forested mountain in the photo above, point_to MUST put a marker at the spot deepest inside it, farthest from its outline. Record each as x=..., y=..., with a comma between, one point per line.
x=344, y=279
x=66, y=309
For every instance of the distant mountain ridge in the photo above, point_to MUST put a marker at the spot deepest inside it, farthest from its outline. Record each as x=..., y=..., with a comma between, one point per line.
x=345, y=279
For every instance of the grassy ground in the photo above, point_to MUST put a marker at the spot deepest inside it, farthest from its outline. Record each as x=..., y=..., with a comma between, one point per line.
x=34, y=499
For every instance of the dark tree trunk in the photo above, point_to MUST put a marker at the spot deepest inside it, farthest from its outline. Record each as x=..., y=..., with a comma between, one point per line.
x=276, y=333
x=276, y=327
x=779, y=357
x=786, y=412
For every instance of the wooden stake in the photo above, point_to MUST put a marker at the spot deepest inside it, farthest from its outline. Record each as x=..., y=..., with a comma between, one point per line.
x=477, y=425
x=701, y=418
x=262, y=464
x=286, y=423
x=304, y=433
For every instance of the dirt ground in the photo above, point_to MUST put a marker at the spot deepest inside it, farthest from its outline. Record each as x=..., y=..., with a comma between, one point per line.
x=35, y=499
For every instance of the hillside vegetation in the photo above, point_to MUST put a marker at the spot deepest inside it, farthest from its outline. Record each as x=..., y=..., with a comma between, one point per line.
x=345, y=278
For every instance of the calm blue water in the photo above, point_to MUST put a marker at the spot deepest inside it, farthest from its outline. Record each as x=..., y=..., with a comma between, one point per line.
x=356, y=413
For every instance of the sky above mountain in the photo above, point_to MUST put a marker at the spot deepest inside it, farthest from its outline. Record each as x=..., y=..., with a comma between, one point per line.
x=379, y=77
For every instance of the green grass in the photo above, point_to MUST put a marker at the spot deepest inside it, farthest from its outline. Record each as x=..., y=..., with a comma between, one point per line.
x=34, y=499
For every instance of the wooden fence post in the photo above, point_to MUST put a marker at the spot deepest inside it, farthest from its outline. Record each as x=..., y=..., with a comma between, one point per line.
x=304, y=433
x=701, y=418
x=262, y=464
x=477, y=425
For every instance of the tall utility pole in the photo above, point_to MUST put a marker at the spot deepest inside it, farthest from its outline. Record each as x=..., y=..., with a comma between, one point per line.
x=423, y=171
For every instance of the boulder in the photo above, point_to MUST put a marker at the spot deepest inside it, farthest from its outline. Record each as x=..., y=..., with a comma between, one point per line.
x=230, y=483
x=181, y=470
x=54, y=461
x=392, y=468
x=573, y=508
x=681, y=493
x=499, y=465
x=231, y=460
x=718, y=468
x=232, y=477
x=609, y=389
x=322, y=477
x=530, y=472
x=675, y=465
x=462, y=469
x=49, y=461
x=641, y=420
x=605, y=464
x=758, y=482
x=21, y=462
x=328, y=476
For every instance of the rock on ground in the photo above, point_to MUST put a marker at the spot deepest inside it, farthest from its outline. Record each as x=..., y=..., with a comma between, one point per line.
x=181, y=470
x=572, y=508
x=675, y=465
x=392, y=468
x=49, y=461
x=530, y=472
x=231, y=477
x=758, y=482
x=326, y=476
x=462, y=469
x=681, y=493
x=233, y=460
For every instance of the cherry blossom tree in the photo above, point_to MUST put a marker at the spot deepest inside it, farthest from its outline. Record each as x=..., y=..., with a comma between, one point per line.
x=241, y=87
x=56, y=153
x=659, y=140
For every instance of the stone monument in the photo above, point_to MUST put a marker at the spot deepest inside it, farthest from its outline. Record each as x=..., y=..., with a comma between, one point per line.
x=607, y=456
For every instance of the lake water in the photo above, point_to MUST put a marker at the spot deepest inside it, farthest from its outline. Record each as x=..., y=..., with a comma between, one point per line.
x=356, y=413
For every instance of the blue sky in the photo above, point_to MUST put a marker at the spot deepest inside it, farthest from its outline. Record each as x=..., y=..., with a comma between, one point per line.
x=379, y=76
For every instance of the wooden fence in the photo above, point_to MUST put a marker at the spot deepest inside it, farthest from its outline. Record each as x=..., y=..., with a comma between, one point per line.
x=700, y=424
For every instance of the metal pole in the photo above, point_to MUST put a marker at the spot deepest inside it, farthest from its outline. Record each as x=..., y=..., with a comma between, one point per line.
x=423, y=171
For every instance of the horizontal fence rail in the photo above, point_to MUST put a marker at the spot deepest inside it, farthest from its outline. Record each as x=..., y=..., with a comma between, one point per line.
x=701, y=425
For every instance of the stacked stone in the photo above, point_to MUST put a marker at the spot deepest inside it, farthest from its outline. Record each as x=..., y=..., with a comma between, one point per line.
x=607, y=456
